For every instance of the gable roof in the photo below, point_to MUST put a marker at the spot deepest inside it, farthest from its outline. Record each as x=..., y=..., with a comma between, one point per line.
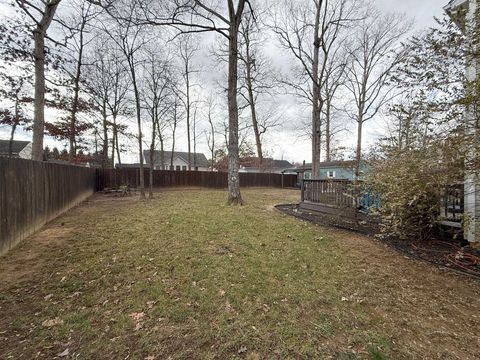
x=281, y=164
x=17, y=146
x=269, y=163
x=198, y=159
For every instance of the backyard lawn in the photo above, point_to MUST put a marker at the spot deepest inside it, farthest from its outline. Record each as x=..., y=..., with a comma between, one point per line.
x=184, y=276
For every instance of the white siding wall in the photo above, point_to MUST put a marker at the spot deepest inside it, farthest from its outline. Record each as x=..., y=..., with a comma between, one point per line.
x=179, y=162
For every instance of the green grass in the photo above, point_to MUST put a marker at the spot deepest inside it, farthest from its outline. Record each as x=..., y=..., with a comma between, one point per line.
x=212, y=281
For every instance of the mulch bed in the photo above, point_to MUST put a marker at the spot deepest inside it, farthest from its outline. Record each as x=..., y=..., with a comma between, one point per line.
x=445, y=254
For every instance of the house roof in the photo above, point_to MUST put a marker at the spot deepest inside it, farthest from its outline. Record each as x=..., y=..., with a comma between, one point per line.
x=281, y=164
x=253, y=162
x=133, y=166
x=344, y=164
x=198, y=159
x=17, y=146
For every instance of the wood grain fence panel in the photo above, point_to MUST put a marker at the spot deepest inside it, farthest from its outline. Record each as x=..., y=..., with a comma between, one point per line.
x=114, y=178
x=33, y=193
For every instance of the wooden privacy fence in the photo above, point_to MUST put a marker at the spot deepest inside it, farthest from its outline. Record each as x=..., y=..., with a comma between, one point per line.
x=33, y=193
x=114, y=178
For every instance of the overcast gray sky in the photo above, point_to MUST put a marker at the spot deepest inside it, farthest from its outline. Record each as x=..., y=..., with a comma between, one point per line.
x=285, y=142
x=299, y=149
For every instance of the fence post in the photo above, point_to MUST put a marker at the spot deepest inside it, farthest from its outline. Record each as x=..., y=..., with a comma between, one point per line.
x=303, y=190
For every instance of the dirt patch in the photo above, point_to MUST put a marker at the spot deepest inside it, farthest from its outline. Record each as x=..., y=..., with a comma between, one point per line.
x=17, y=269
x=327, y=220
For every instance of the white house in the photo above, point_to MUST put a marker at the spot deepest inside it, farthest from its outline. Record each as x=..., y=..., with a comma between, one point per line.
x=20, y=149
x=180, y=160
x=462, y=13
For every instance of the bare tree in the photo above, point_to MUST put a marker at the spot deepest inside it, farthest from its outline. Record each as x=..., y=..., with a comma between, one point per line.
x=334, y=79
x=108, y=81
x=187, y=51
x=130, y=39
x=374, y=52
x=157, y=82
x=257, y=77
x=173, y=125
x=42, y=14
x=190, y=16
x=210, y=133
x=323, y=22
x=77, y=33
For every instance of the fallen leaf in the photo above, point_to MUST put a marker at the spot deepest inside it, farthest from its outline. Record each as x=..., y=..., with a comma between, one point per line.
x=53, y=322
x=64, y=353
x=242, y=349
x=137, y=317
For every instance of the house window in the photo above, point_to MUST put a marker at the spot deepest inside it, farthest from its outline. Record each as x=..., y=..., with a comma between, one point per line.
x=171, y=167
x=184, y=167
x=330, y=174
x=178, y=168
x=196, y=168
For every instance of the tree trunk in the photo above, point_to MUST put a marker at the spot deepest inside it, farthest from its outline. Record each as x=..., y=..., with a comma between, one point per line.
x=173, y=135
x=251, y=100
x=253, y=110
x=152, y=149
x=188, y=118
x=358, y=154
x=39, y=102
x=139, y=123
x=316, y=108
x=14, y=126
x=76, y=91
x=234, y=196
x=114, y=138
x=160, y=139
x=118, y=148
x=328, y=136
x=10, y=143
x=105, y=136
x=162, y=153
x=194, y=137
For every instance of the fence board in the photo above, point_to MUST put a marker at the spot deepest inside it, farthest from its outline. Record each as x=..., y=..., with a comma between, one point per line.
x=33, y=193
x=114, y=178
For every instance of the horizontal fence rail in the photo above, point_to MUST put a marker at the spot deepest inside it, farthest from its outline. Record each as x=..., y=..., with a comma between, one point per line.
x=114, y=178
x=33, y=193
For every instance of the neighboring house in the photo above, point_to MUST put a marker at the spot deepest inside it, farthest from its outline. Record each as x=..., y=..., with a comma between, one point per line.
x=465, y=14
x=268, y=165
x=329, y=170
x=20, y=149
x=180, y=161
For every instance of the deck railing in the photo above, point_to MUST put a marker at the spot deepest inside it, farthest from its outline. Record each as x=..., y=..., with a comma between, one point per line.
x=339, y=193
x=330, y=192
x=343, y=193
